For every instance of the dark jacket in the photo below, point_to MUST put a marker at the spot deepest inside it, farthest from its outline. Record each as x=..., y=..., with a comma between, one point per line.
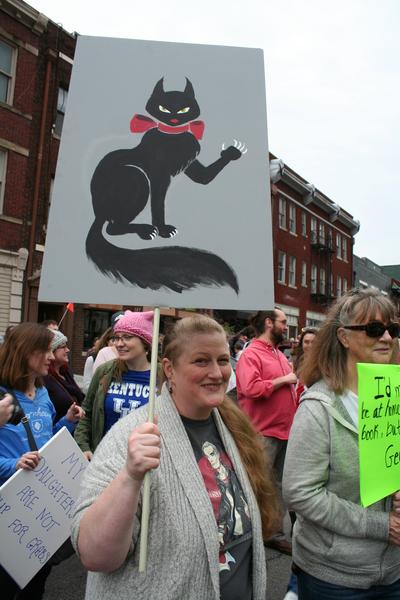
x=63, y=392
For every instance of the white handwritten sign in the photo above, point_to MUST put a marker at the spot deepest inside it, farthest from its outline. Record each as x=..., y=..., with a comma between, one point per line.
x=36, y=507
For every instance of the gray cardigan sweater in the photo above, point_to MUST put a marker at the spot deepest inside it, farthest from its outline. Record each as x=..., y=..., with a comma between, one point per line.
x=183, y=536
x=335, y=538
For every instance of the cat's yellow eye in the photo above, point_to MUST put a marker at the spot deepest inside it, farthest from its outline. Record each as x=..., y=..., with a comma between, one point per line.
x=163, y=109
x=183, y=110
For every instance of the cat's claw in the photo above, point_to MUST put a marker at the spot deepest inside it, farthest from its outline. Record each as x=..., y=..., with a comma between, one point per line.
x=240, y=146
x=167, y=231
x=148, y=232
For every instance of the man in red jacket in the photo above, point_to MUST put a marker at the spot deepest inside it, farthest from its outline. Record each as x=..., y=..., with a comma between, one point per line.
x=266, y=393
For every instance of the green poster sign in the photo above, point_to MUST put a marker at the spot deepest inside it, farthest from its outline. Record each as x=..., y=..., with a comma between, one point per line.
x=378, y=431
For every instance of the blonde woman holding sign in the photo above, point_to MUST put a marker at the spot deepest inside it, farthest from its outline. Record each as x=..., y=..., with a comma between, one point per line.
x=208, y=487
x=340, y=549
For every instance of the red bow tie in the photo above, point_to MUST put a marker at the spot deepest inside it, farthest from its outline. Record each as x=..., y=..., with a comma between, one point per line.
x=141, y=123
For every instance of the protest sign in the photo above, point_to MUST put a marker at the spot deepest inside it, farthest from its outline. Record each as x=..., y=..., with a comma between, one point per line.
x=36, y=507
x=162, y=192
x=378, y=431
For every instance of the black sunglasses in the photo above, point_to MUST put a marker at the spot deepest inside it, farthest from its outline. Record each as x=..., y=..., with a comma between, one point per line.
x=376, y=329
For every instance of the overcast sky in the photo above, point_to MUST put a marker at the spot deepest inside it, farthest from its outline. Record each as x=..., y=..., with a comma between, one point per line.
x=333, y=87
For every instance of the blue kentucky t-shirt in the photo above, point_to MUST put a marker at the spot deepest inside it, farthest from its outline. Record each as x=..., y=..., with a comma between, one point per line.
x=124, y=396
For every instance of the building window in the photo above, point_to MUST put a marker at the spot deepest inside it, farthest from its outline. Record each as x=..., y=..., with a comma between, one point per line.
x=329, y=239
x=344, y=248
x=322, y=281
x=304, y=274
x=292, y=271
x=331, y=291
x=322, y=234
x=338, y=245
x=292, y=218
x=313, y=230
x=281, y=267
x=51, y=191
x=314, y=275
x=344, y=285
x=338, y=286
x=304, y=223
x=6, y=71
x=3, y=162
x=61, y=106
x=95, y=323
x=282, y=213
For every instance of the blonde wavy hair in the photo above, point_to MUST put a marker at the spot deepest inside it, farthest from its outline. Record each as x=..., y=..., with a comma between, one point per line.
x=248, y=442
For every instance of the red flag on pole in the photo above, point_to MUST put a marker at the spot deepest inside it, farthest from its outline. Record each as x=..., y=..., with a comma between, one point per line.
x=70, y=307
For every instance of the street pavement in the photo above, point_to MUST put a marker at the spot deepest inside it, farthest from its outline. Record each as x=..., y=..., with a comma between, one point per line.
x=67, y=580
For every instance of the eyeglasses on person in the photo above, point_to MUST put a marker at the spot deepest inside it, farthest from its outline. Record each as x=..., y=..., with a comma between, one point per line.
x=376, y=329
x=122, y=338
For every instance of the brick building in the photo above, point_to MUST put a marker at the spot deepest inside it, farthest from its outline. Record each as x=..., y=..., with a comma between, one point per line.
x=35, y=68
x=313, y=247
x=312, y=236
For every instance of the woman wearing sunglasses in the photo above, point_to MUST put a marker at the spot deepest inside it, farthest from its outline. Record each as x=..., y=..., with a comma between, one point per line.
x=121, y=385
x=340, y=549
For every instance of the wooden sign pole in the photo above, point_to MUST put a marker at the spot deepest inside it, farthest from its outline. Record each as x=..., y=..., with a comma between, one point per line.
x=144, y=527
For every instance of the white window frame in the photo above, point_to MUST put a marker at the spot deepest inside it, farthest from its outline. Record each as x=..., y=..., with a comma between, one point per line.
x=292, y=271
x=303, y=223
x=304, y=274
x=3, y=171
x=281, y=267
x=344, y=248
x=11, y=76
x=322, y=281
x=61, y=107
x=292, y=218
x=314, y=230
x=338, y=246
x=338, y=286
x=282, y=213
x=321, y=233
x=314, y=279
x=329, y=238
x=344, y=285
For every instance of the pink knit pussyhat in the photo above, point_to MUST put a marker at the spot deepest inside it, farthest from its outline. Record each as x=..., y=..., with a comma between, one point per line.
x=136, y=323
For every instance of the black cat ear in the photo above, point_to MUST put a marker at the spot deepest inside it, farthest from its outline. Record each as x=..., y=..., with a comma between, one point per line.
x=159, y=87
x=189, y=88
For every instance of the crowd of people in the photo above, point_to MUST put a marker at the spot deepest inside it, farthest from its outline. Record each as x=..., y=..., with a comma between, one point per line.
x=224, y=471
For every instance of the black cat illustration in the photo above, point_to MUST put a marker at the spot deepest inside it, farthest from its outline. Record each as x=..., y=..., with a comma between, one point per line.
x=124, y=182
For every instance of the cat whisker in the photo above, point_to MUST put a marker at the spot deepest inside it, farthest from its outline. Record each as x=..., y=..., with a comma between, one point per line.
x=223, y=146
x=245, y=151
x=235, y=143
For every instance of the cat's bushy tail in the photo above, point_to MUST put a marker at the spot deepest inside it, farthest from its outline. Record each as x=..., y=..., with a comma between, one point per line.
x=172, y=267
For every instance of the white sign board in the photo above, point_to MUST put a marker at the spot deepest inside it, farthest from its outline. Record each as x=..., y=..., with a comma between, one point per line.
x=162, y=193
x=36, y=507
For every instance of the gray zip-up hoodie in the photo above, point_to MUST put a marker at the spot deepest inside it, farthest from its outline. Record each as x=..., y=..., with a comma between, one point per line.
x=335, y=539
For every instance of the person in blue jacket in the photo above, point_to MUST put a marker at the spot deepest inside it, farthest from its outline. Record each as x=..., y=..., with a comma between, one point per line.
x=24, y=360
